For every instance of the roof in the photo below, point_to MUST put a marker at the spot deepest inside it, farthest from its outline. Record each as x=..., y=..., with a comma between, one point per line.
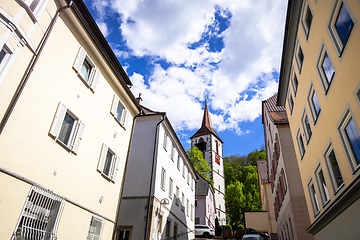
x=202, y=186
x=290, y=36
x=276, y=113
x=206, y=126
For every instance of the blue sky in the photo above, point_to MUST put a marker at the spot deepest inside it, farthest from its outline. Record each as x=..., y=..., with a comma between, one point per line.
x=177, y=53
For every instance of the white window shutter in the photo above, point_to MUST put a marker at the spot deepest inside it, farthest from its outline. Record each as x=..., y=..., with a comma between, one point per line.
x=127, y=116
x=58, y=120
x=79, y=59
x=102, y=159
x=95, y=79
x=116, y=168
x=79, y=136
x=114, y=105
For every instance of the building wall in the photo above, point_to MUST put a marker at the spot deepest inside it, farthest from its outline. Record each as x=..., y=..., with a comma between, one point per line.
x=337, y=99
x=217, y=173
x=291, y=219
x=29, y=152
x=137, y=182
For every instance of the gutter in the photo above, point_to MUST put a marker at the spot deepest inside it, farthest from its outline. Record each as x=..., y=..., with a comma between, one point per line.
x=30, y=68
x=163, y=115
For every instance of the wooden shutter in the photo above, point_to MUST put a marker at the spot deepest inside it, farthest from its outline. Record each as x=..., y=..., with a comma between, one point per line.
x=102, y=159
x=58, y=120
x=78, y=136
x=114, y=105
x=95, y=79
x=79, y=59
x=116, y=168
x=124, y=118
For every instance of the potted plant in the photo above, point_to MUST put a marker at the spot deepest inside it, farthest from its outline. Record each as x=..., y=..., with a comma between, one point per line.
x=228, y=232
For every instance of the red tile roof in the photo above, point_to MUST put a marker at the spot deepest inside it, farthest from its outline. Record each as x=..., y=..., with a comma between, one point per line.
x=206, y=126
x=276, y=113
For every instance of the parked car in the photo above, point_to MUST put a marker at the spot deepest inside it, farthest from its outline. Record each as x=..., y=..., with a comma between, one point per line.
x=204, y=231
x=251, y=237
x=240, y=232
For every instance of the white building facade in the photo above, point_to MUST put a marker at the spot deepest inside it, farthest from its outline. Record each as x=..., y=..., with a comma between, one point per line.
x=207, y=141
x=158, y=199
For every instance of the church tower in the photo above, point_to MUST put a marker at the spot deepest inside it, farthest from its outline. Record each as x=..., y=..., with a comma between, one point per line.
x=207, y=141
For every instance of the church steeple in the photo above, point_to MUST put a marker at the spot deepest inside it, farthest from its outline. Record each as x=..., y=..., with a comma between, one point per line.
x=206, y=126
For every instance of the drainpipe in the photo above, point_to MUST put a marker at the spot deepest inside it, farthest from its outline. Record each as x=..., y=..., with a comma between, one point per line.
x=152, y=173
x=30, y=68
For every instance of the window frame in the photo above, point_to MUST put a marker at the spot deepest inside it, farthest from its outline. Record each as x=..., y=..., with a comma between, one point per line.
x=114, y=165
x=291, y=105
x=326, y=154
x=325, y=82
x=346, y=117
x=178, y=162
x=177, y=198
x=4, y=64
x=34, y=14
x=171, y=192
x=77, y=130
x=32, y=204
x=324, y=196
x=339, y=46
x=313, y=112
x=299, y=62
x=165, y=141
x=313, y=198
x=101, y=221
x=301, y=148
x=306, y=127
x=123, y=121
x=295, y=85
x=163, y=179
x=306, y=9
x=92, y=80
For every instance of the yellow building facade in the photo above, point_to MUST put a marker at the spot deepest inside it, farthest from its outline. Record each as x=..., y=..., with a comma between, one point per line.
x=66, y=116
x=320, y=88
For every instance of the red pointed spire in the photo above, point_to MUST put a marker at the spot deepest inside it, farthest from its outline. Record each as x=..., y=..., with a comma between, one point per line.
x=206, y=126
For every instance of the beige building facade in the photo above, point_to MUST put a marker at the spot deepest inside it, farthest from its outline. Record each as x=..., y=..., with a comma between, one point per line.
x=66, y=120
x=320, y=88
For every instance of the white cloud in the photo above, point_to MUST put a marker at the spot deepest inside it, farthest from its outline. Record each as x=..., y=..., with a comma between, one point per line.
x=103, y=28
x=165, y=29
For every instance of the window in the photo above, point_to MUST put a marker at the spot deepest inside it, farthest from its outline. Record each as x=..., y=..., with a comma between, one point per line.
x=170, y=188
x=108, y=163
x=95, y=229
x=177, y=196
x=124, y=234
x=300, y=144
x=306, y=19
x=5, y=55
x=33, y=6
x=349, y=133
x=159, y=223
x=299, y=57
x=340, y=25
x=294, y=81
x=167, y=229
x=40, y=215
x=324, y=191
x=67, y=129
x=188, y=177
x=182, y=201
x=334, y=169
x=172, y=152
x=196, y=201
x=192, y=183
x=119, y=111
x=187, y=207
x=165, y=141
x=86, y=69
x=306, y=127
x=192, y=213
x=162, y=183
x=291, y=105
x=175, y=232
x=183, y=172
x=314, y=104
x=325, y=69
x=313, y=198
x=178, y=162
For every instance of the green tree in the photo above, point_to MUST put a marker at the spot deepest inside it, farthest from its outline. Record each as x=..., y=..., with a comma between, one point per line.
x=235, y=202
x=242, y=184
x=200, y=164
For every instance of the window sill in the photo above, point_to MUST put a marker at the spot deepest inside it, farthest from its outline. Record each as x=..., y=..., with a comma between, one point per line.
x=121, y=124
